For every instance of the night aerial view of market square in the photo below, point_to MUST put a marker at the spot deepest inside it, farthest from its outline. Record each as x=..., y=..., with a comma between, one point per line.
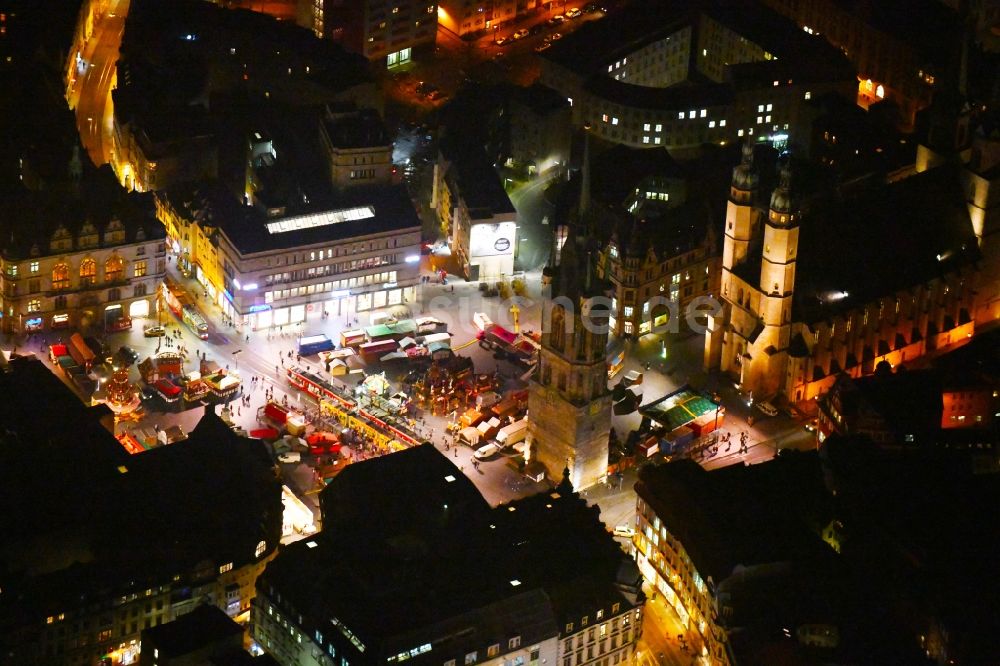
x=500, y=332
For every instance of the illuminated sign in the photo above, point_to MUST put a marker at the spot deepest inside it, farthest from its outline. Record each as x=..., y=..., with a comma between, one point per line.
x=315, y=220
x=492, y=240
x=259, y=308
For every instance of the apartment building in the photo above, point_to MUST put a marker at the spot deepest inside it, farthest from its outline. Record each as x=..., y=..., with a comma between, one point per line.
x=123, y=543
x=407, y=533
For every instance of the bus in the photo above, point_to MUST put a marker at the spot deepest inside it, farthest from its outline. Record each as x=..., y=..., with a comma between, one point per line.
x=181, y=304
x=314, y=344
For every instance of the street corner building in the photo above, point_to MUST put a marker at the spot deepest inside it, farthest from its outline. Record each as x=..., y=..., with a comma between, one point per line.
x=414, y=566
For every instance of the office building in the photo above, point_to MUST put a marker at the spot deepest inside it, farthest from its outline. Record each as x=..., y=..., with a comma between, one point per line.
x=657, y=75
x=661, y=254
x=391, y=33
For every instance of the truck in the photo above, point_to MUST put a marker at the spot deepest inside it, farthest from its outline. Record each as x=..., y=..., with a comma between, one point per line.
x=314, y=344
x=520, y=348
x=513, y=433
x=182, y=305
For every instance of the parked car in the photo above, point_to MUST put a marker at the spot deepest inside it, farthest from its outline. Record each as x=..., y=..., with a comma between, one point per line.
x=543, y=46
x=487, y=451
x=766, y=408
x=501, y=41
x=624, y=531
x=573, y=12
x=520, y=34
x=556, y=20
x=290, y=457
x=590, y=8
x=154, y=331
x=128, y=354
x=536, y=29
x=435, y=95
x=554, y=37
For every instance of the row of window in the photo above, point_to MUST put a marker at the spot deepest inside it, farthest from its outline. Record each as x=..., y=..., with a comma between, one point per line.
x=388, y=277
x=60, y=302
x=331, y=269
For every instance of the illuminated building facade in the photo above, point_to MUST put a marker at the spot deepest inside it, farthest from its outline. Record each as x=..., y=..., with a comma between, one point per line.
x=797, y=311
x=357, y=256
x=711, y=74
x=474, y=210
x=390, y=32
x=63, y=272
x=125, y=542
x=569, y=404
x=342, y=597
x=470, y=16
x=664, y=247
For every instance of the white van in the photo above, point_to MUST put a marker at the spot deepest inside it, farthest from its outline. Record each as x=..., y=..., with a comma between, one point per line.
x=513, y=433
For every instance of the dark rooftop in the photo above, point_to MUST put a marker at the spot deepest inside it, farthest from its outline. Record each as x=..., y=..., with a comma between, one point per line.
x=479, y=183
x=408, y=536
x=739, y=515
x=192, y=631
x=881, y=238
x=246, y=228
x=120, y=518
x=357, y=130
x=589, y=49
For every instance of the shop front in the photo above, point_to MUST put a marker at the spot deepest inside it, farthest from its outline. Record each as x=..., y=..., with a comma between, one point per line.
x=115, y=318
x=139, y=309
x=60, y=321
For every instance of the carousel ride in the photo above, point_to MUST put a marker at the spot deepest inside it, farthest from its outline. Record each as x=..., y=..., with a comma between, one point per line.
x=122, y=396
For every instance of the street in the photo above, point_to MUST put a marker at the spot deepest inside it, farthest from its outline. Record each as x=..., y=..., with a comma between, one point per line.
x=90, y=94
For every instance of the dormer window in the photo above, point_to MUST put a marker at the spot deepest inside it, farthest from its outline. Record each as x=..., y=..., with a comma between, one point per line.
x=88, y=236
x=114, y=234
x=61, y=240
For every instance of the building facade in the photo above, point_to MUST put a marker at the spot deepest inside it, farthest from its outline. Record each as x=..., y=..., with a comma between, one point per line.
x=690, y=78
x=391, y=33
x=89, y=279
x=668, y=568
x=127, y=542
x=527, y=612
x=891, y=65
x=790, y=327
x=271, y=272
x=464, y=17
x=474, y=211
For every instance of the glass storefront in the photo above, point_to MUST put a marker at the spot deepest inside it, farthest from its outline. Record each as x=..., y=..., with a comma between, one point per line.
x=343, y=304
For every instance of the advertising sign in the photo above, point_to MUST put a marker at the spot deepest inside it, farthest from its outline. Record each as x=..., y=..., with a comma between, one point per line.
x=492, y=240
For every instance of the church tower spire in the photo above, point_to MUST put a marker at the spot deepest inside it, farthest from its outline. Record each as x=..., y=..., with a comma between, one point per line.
x=569, y=405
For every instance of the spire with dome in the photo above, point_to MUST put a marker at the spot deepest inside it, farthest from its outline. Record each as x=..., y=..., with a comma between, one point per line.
x=781, y=198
